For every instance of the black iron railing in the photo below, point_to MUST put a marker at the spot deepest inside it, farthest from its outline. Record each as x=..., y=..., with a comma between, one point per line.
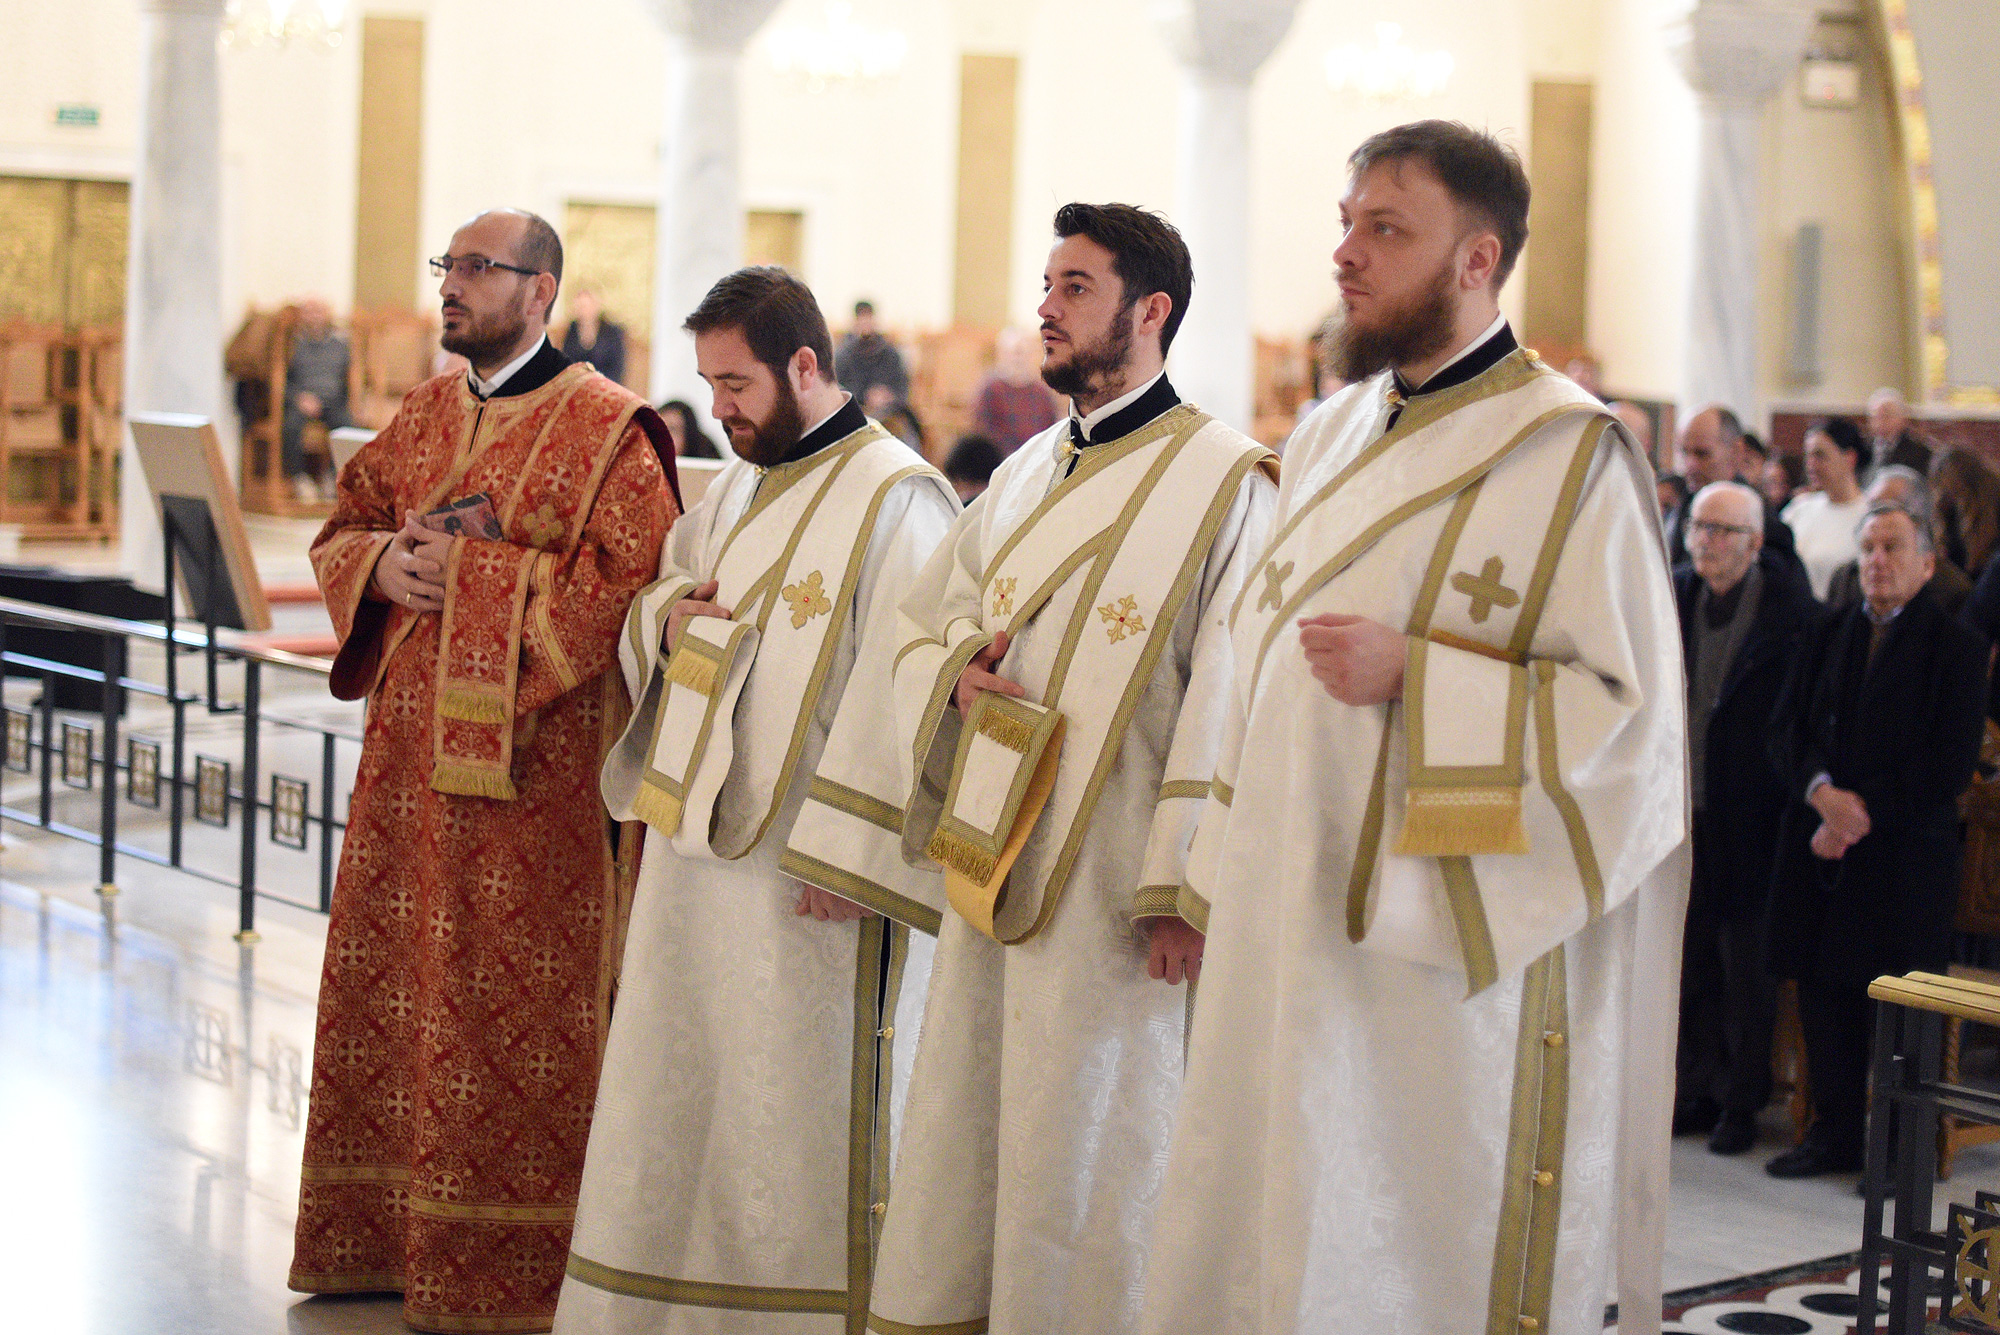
x=153, y=774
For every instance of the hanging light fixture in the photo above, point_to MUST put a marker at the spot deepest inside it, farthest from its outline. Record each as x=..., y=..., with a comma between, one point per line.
x=1389, y=71
x=837, y=49
x=311, y=24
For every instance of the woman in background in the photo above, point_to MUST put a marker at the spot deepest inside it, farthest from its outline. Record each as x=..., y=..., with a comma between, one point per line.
x=1824, y=518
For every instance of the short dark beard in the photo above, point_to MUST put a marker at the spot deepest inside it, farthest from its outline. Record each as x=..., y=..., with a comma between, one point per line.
x=777, y=435
x=1420, y=329
x=485, y=342
x=1088, y=367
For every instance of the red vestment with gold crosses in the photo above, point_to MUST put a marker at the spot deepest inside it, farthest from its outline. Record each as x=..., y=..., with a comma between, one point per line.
x=478, y=909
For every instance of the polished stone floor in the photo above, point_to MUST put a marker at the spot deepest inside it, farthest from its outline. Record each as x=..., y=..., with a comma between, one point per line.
x=153, y=1076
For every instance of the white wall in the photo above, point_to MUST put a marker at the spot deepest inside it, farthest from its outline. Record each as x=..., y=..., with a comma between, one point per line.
x=536, y=103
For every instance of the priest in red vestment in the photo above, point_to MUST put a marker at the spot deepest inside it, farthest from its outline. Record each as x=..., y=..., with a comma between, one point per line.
x=478, y=567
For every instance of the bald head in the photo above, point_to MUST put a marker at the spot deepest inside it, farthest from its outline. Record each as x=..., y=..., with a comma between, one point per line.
x=1710, y=446
x=1725, y=532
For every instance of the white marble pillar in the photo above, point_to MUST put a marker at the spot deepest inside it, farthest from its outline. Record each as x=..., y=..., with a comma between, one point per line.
x=700, y=220
x=173, y=288
x=1735, y=54
x=1220, y=45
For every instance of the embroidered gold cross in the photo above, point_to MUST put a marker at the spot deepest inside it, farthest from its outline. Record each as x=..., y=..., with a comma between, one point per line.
x=1275, y=576
x=1122, y=618
x=808, y=599
x=1003, y=596
x=545, y=525
x=1485, y=589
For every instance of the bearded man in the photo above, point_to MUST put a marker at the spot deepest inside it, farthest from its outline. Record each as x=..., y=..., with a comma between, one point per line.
x=1053, y=728
x=478, y=566
x=1443, y=864
x=743, y=1124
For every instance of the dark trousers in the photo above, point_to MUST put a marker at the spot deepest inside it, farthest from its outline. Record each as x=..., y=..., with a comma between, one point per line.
x=1838, y=1021
x=1729, y=1003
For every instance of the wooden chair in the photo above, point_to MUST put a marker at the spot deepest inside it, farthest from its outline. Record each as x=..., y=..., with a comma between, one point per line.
x=264, y=486
x=1283, y=382
x=1978, y=915
x=393, y=354
x=37, y=467
x=944, y=380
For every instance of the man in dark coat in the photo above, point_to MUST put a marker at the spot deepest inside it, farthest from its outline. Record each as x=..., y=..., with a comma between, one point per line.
x=1877, y=732
x=1743, y=611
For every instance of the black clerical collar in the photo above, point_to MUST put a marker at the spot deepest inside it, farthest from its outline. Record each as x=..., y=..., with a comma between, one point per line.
x=1156, y=400
x=846, y=420
x=547, y=363
x=1481, y=359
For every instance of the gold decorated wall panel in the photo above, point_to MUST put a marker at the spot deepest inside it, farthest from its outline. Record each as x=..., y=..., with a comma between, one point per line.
x=609, y=248
x=62, y=251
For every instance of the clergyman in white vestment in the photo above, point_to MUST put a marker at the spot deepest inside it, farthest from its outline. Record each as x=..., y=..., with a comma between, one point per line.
x=1443, y=866
x=743, y=1124
x=1084, y=587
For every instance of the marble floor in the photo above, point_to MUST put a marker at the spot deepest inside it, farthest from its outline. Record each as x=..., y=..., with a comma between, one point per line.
x=153, y=1075
x=152, y=1082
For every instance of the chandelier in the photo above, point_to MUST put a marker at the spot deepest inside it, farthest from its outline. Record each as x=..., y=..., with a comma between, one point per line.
x=311, y=24
x=1389, y=71
x=836, y=50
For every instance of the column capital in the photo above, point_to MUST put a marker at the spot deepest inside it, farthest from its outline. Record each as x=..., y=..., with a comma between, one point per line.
x=1739, y=52
x=715, y=25
x=1224, y=39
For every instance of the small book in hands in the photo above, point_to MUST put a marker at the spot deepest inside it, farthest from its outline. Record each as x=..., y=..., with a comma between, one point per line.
x=472, y=517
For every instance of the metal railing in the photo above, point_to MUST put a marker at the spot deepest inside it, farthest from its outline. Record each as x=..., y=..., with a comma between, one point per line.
x=150, y=776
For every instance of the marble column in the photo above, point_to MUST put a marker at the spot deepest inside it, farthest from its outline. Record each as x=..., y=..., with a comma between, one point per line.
x=1220, y=45
x=173, y=289
x=1735, y=54
x=700, y=219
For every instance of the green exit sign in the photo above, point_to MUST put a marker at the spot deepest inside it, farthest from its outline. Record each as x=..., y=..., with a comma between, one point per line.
x=77, y=114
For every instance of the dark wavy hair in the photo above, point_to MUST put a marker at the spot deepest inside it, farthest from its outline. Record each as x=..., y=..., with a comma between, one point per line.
x=777, y=313
x=1147, y=254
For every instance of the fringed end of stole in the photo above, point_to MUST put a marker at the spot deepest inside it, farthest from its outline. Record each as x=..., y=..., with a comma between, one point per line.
x=1013, y=733
x=464, y=779
x=961, y=855
x=695, y=672
x=1462, y=822
x=474, y=706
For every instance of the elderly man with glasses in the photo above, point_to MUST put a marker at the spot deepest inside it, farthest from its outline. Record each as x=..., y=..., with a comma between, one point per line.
x=1742, y=610
x=478, y=567
x=1876, y=735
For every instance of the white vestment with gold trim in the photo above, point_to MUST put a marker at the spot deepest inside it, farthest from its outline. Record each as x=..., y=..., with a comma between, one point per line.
x=1431, y=1065
x=744, y=1117
x=1048, y=1071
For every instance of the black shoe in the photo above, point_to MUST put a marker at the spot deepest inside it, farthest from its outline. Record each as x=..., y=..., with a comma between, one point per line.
x=1820, y=1152
x=1734, y=1134
x=1696, y=1117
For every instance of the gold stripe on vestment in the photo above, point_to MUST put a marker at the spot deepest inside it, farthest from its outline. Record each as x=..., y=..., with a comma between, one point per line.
x=339, y=1173
x=1224, y=793
x=1524, y=1253
x=1177, y=788
x=1193, y=906
x=1468, y=918
x=459, y=1323
x=1588, y=872
x=346, y=1281
x=863, y=1080
x=860, y=805
x=699, y=1293
x=1155, y=901
x=469, y=1212
x=861, y=890
x=882, y=1325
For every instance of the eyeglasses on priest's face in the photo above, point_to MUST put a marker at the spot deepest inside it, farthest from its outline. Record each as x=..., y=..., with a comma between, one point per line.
x=472, y=266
